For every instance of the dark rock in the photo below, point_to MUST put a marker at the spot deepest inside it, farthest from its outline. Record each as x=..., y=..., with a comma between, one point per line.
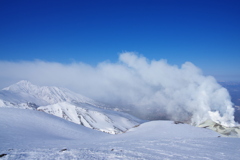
x=63, y=150
x=2, y=155
x=178, y=122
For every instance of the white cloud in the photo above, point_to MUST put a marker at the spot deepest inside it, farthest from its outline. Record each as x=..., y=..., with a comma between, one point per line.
x=149, y=88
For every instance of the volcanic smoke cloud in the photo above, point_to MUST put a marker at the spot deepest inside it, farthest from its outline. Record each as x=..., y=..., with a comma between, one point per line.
x=150, y=89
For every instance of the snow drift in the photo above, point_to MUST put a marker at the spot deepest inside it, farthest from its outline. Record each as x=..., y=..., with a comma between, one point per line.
x=149, y=89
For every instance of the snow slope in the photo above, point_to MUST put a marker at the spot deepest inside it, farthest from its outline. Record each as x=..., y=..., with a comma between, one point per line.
x=168, y=129
x=103, y=120
x=30, y=128
x=29, y=134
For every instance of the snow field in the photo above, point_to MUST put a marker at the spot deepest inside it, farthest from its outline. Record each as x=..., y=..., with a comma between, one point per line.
x=30, y=134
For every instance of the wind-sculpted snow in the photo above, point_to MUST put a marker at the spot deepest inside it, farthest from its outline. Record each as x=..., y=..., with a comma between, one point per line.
x=29, y=134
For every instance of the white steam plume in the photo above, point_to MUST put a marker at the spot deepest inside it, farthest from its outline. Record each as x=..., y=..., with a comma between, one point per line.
x=151, y=89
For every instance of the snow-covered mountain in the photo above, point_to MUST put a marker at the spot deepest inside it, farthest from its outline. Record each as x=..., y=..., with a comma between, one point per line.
x=26, y=92
x=68, y=105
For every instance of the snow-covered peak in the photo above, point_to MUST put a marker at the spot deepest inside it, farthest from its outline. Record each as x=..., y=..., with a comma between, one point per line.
x=24, y=91
x=22, y=85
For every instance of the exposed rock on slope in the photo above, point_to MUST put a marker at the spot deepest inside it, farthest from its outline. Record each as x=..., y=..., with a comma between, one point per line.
x=224, y=131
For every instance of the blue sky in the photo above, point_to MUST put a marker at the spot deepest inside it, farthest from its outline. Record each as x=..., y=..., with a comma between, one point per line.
x=206, y=33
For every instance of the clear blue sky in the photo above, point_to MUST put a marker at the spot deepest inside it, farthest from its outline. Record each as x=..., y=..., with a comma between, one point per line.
x=206, y=32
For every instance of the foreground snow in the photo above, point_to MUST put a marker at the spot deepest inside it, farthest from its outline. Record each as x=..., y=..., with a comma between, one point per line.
x=30, y=134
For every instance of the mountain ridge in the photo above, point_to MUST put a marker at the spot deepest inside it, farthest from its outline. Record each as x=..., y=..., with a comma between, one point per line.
x=48, y=94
